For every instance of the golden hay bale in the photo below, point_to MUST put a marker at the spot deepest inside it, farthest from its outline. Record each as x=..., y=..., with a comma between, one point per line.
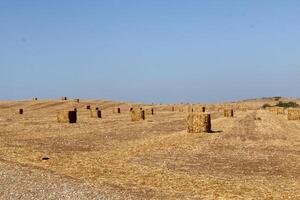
x=75, y=109
x=131, y=109
x=95, y=113
x=198, y=123
x=88, y=107
x=243, y=109
x=228, y=112
x=76, y=100
x=276, y=110
x=190, y=108
x=173, y=108
x=20, y=111
x=180, y=108
x=117, y=110
x=280, y=110
x=137, y=115
x=293, y=114
x=64, y=98
x=199, y=108
x=149, y=111
x=67, y=116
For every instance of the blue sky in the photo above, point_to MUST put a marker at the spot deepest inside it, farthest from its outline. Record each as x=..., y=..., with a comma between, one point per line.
x=150, y=51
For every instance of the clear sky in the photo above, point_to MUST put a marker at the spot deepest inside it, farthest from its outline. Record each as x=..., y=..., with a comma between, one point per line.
x=150, y=50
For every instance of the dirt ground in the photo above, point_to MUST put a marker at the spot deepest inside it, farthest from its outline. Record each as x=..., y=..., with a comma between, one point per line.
x=114, y=158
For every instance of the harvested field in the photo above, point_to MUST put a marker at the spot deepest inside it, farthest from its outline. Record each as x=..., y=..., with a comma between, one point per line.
x=115, y=158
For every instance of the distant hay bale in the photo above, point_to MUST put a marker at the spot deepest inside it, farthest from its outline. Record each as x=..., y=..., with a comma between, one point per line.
x=75, y=109
x=67, y=117
x=64, y=98
x=228, y=112
x=76, y=100
x=180, y=108
x=21, y=111
x=149, y=111
x=88, y=107
x=280, y=111
x=131, y=109
x=243, y=109
x=199, y=108
x=96, y=108
x=95, y=113
x=172, y=108
x=190, y=108
x=117, y=110
x=276, y=110
x=199, y=123
x=293, y=114
x=34, y=99
x=137, y=115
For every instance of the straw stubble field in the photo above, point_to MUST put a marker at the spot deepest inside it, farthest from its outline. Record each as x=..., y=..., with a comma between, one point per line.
x=114, y=158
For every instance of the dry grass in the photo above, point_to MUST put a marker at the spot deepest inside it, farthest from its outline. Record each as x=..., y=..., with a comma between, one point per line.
x=243, y=159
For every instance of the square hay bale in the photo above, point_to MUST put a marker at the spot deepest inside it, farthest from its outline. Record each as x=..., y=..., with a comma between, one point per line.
x=280, y=111
x=137, y=115
x=75, y=109
x=76, y=100
x=64, y=98
x=149, y=111
x=228, y=112
x=199, y=108
x=199, y=123
x=293, y=114
x=67, y=117
x=88, y=107
x=243, y=109
x=34, y=99
x=95, y=113
x=117, y=110
x=190, y=108
x=180, y=108
x=21, y=111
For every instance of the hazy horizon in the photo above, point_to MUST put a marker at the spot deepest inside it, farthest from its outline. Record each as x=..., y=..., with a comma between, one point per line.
x=149, y=51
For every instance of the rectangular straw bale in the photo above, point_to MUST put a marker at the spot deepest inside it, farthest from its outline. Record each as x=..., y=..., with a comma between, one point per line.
x=20, y=111
x=67, y=116
x=149, y=111
x=293, y=114
x=173, y=108
x=198, y=123
x=137, y=115
x=228, y=112
x=180, y=108
x=199, y=108
x=190, y=108
x=95, y=113
x=64, y=98
x=117, y=110
x=280, y=111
